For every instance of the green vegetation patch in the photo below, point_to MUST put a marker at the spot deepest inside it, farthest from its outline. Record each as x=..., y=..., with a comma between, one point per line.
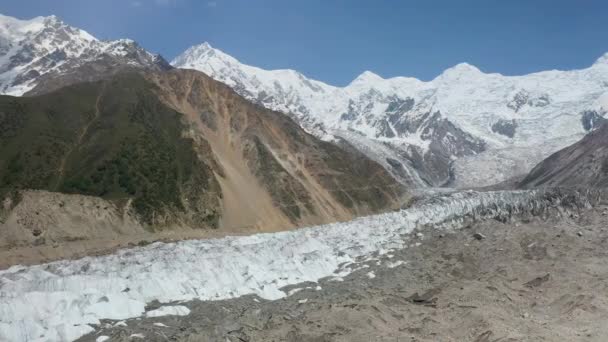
x=115, y=140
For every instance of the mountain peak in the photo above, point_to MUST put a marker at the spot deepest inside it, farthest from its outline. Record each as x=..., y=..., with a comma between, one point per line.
x=204, y=48
x=39, y=22
x=367, y=77
x=47, y=45
x=123, y=41
x=460, y=70
x=464, y=67
x=201, y=54
x=51, y=19
x=206, y=45
x=50, y=28
x=13, y=27
x=603, y=60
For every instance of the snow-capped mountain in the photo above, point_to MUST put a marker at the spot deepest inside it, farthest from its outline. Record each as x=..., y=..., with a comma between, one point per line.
x=465, y=127
x=43, y=46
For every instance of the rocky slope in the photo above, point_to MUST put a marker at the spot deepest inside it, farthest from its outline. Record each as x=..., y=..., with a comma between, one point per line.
x=178, y=149
x=269, y=162
x=33, y=51
x=464, y=128
x=36, y=223
x=583, y=164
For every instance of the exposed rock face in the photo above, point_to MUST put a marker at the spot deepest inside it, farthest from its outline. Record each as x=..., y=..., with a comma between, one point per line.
x=269, y=162
x=583, y=164
x=525, y=98
x=506, y=128
x=591, y=119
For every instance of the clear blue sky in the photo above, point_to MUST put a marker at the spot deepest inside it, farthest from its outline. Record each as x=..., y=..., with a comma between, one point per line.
x=334, y=41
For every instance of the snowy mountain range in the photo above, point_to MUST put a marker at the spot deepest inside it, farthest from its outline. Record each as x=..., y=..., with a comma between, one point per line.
x=43, y=46
x=463, y=128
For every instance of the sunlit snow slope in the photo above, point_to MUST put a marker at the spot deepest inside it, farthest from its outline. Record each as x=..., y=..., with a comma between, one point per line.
x=464, y=128
x=30, y=49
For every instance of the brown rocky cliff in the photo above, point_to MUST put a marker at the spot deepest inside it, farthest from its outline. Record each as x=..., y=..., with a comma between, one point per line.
x=276, y=174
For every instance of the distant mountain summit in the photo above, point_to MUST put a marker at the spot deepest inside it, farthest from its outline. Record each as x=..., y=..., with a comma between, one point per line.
x=464, y=128
x=31, y=50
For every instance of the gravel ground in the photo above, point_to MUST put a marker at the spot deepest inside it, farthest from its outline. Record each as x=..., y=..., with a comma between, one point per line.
x=526, y=281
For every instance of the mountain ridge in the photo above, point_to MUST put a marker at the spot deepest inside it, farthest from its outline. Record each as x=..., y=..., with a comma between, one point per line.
x=46, y=46
x=205, y=46
x=502, y=125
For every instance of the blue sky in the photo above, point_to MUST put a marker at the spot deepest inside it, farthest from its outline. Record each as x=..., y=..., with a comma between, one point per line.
x=334, y=41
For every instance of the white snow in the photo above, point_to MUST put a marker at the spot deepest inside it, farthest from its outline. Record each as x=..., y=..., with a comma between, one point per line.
x=177, y=310
x=294, y=291
x=47, y=37
x=102, y=338
x=549, y=119
x=395, y=264
x=58, y=301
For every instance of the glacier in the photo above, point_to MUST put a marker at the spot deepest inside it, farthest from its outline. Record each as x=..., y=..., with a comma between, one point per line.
x=59, y=301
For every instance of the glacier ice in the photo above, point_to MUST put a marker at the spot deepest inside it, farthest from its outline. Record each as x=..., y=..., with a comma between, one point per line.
x=60, y=300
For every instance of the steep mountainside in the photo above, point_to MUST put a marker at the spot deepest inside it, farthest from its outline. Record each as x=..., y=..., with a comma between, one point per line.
x=269, y=162
x=583, y=164
x=180, y=149
x=32, y=51
x=464, y=128
x=114, y=140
